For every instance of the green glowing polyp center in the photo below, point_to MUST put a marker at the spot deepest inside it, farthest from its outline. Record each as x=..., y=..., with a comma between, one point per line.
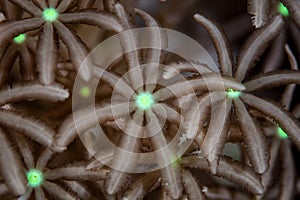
x=176, y=161
x=20, y=38
x=281, y=133
x=50, y=14
x=283, y=10
x=144, y=100
x=85, y=91
x=233, y=94
x=34, y=178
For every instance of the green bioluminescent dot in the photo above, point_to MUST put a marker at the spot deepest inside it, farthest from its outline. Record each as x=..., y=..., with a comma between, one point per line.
x=20, y=38
x=176, y=162
x=50, y=14
x=281, y=133
x=144, y=100
x=233, y=94
x=283, y=10
x=34, y=178
x=85, y=91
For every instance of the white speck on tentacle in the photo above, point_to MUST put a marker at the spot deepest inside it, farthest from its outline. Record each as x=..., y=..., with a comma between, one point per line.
x=7, y=107
x=204, y=189
x=196, y=153
x=170, y=73
x=182, y=139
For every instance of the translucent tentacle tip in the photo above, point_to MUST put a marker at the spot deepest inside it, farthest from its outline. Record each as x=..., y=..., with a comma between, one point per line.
x=20, y=38
x=144, y=100
x=283, y=10
x=233, y=94
x=281, y=133
x=34, y=178
x=176, y=161
x=50, y=14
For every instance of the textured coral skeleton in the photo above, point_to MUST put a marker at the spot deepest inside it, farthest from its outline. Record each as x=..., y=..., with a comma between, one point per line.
x=148, y=101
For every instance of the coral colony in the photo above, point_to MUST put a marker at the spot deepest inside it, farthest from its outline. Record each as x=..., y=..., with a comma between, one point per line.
x=91, y=109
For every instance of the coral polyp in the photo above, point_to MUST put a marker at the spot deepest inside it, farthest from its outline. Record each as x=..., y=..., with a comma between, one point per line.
x=34, y=178
x=233, y=93
x=50, y=14
x=144, y=100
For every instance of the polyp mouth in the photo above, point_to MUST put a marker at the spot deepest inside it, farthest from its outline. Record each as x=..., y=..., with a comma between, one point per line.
x=144, y=100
